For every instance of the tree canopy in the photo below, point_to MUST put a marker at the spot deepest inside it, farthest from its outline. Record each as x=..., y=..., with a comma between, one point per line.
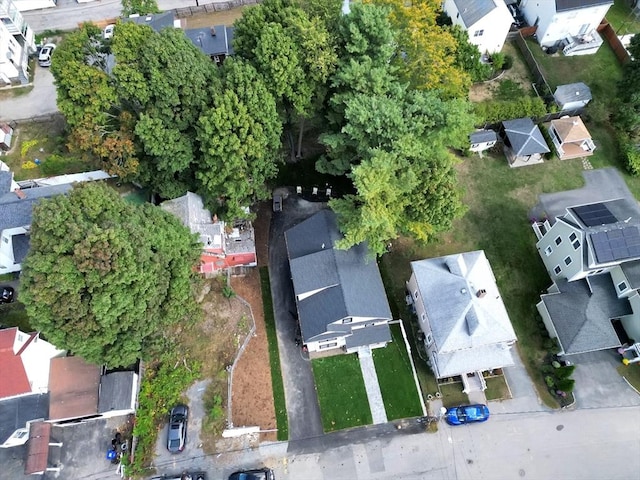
x=104, y=278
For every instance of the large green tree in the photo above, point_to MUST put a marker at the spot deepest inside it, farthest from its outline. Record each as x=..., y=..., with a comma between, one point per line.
x=239, y=136
x=105, y=278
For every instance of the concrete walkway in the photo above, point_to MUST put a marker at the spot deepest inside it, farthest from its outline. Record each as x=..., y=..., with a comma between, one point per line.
x=378, y=413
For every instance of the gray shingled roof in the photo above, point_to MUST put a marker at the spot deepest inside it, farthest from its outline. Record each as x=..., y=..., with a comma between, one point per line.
x=218, y=44
x=349, y=283
x=157, y=21
x=525, y=137
x=16, y=212
x=563, y=5
x=483, y=136
x=631, y=271
x=572, y=92
x=116, y=391
x=16, y=412
x=5, y=181
x=582, y=318
x=20, y=244
x=361, y=337
x=473, y=10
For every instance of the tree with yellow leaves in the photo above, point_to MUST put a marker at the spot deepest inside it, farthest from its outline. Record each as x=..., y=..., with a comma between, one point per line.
x=426, y=51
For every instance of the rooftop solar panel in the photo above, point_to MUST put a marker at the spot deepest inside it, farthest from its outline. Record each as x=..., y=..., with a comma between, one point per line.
x=595, y=214
x=617, y=244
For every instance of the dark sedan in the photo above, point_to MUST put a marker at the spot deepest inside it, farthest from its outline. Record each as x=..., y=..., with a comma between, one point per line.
x=258, y=474
x=467, y=414
x=177, y=436
x=7, y=294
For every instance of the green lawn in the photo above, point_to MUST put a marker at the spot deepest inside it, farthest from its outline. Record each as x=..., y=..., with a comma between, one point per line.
x=341, y=392
x=452, y=395
x=496, y=388
x=274, y=357
x=631, y=373
x=622, y=19
x=396, y=378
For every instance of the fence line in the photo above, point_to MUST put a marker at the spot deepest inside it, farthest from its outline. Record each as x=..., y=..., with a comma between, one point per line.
x=606, y=30
x=212, y=7
x=540, y=82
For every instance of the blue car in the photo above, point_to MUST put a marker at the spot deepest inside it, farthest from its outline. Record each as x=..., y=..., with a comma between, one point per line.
x=467, y=414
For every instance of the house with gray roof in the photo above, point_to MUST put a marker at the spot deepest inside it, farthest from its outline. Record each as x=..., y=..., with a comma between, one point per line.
x=215, y=42
x=487, y=22
x=339, y=294
x=591, y=250
x=482, y=140
x=466, y=327
x=523, y=142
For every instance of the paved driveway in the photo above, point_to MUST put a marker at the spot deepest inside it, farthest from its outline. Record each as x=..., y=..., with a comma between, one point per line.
x=41, y=100
x=300, y=392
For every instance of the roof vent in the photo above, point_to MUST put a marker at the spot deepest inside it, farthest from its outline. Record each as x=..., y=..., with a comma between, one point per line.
x=148, y=18
x=463, y=291
x=481, y=293
x=213, y=31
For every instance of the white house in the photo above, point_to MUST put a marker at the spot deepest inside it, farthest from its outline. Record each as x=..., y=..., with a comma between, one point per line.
x=590, y=245
x=460, y=311
x=24, y=363
x=567, y=24
x=486, y=21
x=482, y=140
x=17, y=42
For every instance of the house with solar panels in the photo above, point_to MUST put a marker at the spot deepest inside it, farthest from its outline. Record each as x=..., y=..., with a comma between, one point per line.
x=591, y=250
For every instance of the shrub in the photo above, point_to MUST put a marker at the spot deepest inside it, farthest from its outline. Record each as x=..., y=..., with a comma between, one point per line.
x=549, y=381
x=630, y=154
x=496, y=111
x=565, y=384
x=227, y=292
x=508, y=62
x=565, y=372
x=497, y=61
x=547, y=369
x=53, y=165
x=214, y=408
x=26, y=146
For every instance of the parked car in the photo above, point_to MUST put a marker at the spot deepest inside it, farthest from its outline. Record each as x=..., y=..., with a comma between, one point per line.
x=277, y=203
x=44, y=57
x=258, y=474
x=7, y=294
x=177, y=435
x=467, y=414
x=107, y=33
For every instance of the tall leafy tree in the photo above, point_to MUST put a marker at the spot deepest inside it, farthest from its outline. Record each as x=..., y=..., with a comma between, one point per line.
x=141, y=7
x=426, y=51
x=104, y=278
x=239, y=137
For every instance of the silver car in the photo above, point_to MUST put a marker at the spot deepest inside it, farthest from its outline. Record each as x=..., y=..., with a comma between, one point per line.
x=177, y=435
x=44, y=57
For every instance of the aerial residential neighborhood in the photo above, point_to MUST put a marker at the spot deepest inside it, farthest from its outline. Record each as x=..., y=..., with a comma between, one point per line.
x=346, y=239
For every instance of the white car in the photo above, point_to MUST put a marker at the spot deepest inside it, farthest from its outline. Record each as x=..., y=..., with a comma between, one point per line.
x=44, y=57
x=107, y=33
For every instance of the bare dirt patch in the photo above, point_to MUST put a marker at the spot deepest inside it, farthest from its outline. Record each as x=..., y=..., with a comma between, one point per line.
x=225, y=17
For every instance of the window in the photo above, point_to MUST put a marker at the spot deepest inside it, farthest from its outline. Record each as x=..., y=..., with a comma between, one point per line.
x=576, y=244
x=567, y=260
x=5, y=239
x=415, y=294
x=429, y=339
x=557, y=270
x=572, y=237
x=548, y=251
x=424, y=317
x=558, y=240
x=596, y=272
x=347, y=320
x=475, y=145
x=328, y=345
x=478, y=33
x=622, y=286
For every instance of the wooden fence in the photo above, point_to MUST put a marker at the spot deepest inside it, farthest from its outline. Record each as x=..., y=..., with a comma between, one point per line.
x=540, y=82
x=609, y=34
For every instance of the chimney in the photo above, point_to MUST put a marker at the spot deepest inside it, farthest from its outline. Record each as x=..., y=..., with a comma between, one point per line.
x=481, y=293
x=20, y=194
x=213, y=31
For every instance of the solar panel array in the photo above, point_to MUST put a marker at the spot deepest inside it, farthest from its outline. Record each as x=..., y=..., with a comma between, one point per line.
x=595, y=214
x=616, y=244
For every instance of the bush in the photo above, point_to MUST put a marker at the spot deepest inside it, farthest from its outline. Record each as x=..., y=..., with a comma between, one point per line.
x=565, y=384
x=497, y=61
x=547, y=369
x=549, y=381
x=53, y=165
x=630, y=154
x=565, y=372
x=496, y=111
x=508, y=62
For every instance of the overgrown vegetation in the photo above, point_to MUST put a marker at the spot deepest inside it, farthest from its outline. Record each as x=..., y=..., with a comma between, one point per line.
x=274, y=357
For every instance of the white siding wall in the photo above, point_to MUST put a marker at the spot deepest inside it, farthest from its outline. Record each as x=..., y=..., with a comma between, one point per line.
x=546, y=319
x=620, y=282
x=557, y=255
x=553, y=27
x=8, y=70
x=494, y=26
x=36, y=358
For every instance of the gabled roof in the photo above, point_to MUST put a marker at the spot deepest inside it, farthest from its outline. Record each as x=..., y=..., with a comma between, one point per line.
x=471, y=11
x=13, y=376
x=525, y=137
x=157, y=21
x=73, y=388
x=483, y=136
x=572, y=92
x=215, y=40
x=461, y=318
x=16, y=412
x=190, y=210
x=571, y=129
x=348, y=283
x=564, y=5
x=582, y=315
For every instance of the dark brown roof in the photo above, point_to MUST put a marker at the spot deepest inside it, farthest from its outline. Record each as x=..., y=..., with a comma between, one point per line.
x=37, y=448
x=73, y=387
